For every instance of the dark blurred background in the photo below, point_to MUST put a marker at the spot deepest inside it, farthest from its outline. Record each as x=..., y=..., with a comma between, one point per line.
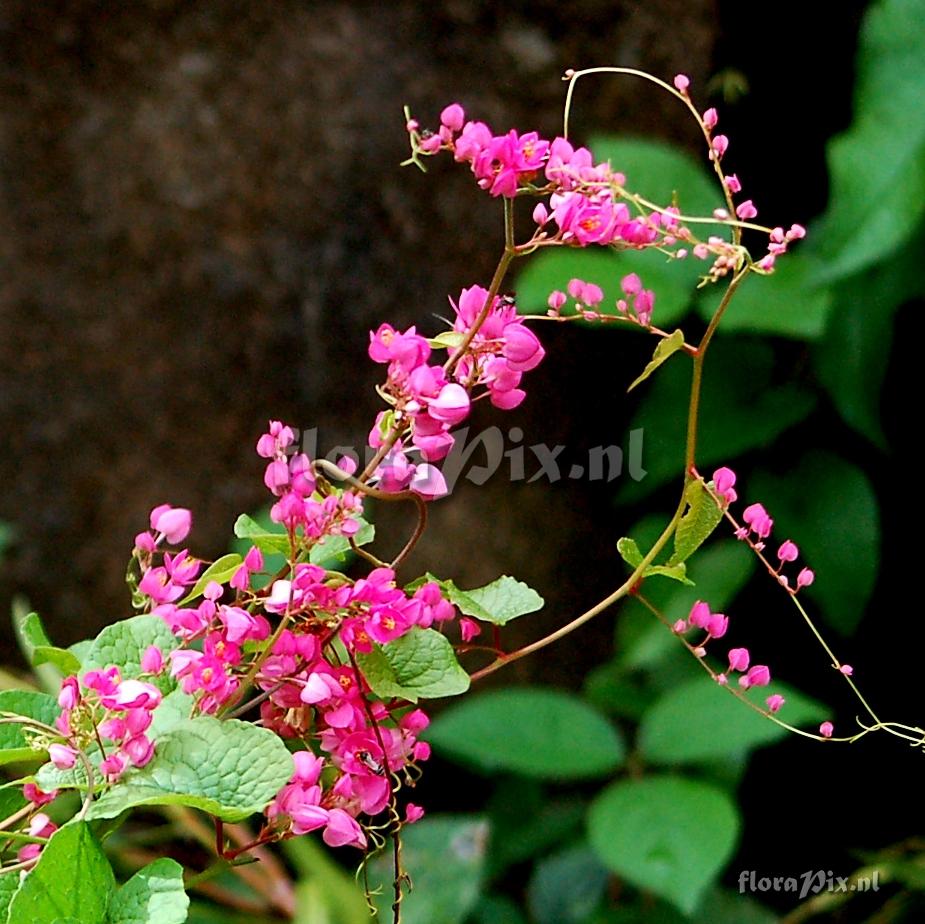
x=203, y=215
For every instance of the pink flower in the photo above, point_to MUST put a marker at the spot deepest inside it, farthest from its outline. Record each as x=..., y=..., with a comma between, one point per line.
x=710, y=118
x=173, y=522
x=681, y=82
x=788, y=551
x=62, y=756
x=342, y=830
x=757, y=676
x=826, y=729
x=738, y=659
x=699, y=615
x=775, y=701
x=36, y=796
x=746, y=210
x=717, y=625
x=152, y=660
x=413, y=813
x=805, y=578
x=846, y=669
x=69, y=695
x=452, y=117
x=469, y=629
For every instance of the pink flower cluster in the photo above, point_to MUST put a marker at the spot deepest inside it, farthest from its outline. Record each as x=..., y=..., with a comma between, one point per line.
x=101, y=707
x=715, y=625
x=757, y=527
x=429, y=399
x=290, y=478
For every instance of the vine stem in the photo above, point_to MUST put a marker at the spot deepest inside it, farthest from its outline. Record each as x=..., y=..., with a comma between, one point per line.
x=625, y=588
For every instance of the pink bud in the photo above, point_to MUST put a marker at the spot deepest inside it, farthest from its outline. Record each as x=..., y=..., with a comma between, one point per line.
x=631, y=284
x=738, y=659
x=710, y=118
x=775, y=701
x=846, y=669
x=699, y=615
x=173, y=522
x=680, y=626
x=723, y=479
x=722, y=679
x=788, y=551
x=62, y=756
x=805, y=578
x=682, y=82
x=69, y=696
x=413, y=813
x=556, y=299
x=152, y=661
x=733, y=184
x=746, y=210
x=758, y=676
x=575, y=288
x=826, y=729
x=593, y=294
x=796, y=232
x=469, y=629
x=452, y=117
x=540, y=214
x=717, y=625
x=720, y=145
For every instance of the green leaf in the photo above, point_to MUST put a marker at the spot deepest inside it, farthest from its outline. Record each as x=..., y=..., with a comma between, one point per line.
x=499, y=602
x=543, y=733
x=665, y=834
x=230, y=769
x=154, y=894
x=629, y=552
x=829, y=508
x=741, y=408
x=788, y=303
x=73, y=879
x=419, y=664
x=566, y=887
x=8, y=886
x=448, y=338
x=270, y=538
x=876, y=202
x=123, y=643
x=334, y=550
x=38, y=649
x=497, y=909
x=698, y=721
x=701, y=517
x=663, y=349
x=219, y=571
x=447, y=855
x=64, y=660
x=14, y=745
x=852, y=360
x=661, y=172
x=31, y=636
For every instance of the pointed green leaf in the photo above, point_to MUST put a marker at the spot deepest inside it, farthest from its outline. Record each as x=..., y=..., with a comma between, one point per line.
x=230, y=769
x=448, y=338
x=419, y=665
x=270, y=540
x=14, y=745
x=665, y=834
x=700, y=518
x=73, y=879
x=877, y=202
x=498, y=602
x=549, y=734
x=31, y=636
x=123, y=643
x=154, y=894
x=663, y=350
x=219, y=571
x=629, y=552
x=699, y=721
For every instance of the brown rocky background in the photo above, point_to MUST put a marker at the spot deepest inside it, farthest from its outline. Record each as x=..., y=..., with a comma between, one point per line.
x=202, y=216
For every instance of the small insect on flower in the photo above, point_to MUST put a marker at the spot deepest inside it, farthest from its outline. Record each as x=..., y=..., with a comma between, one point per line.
x=370, y=762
